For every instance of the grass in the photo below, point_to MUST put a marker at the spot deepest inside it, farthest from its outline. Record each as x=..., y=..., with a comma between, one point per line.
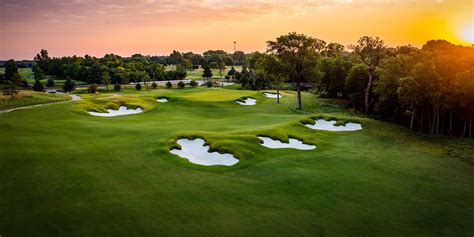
x=27, y=73
x=66, y=173
x=26, y=98
x=197, y=73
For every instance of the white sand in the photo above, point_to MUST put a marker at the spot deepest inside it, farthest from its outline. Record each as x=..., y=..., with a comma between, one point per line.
x=162, y=100
x=121, y=111
x=271, y=95
x=322, y=124
x=293, y=143
x=248, y=101
x=196, y=152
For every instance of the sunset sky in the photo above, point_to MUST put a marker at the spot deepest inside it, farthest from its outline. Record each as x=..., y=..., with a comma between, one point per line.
x=155, y=27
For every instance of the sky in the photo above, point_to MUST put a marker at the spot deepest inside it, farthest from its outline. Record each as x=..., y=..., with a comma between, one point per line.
x=156, y=27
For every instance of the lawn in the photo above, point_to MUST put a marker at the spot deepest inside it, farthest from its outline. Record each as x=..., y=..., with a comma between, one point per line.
x=197, y=73
x=66, y=173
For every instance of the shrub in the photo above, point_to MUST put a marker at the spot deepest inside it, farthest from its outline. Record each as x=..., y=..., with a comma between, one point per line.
x=138, y=86
x=24, y=83
x=181, y=85
x=69, y=85
x=37, y=86
x=50, y=82
x=193, y=83
x=92, y=88
x=154, y=85
x=117, y=87
x=209, y=84
x=169, y=85
x=227, y=77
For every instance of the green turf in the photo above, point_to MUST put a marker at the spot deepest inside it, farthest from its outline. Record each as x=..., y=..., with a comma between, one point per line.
x=66, y=173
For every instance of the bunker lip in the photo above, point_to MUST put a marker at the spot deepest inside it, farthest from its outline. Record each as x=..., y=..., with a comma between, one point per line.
x=292, y=143
x=197, y=152
x=271, y=95
x=120, y=112
x=329, y=125
x=246, y=101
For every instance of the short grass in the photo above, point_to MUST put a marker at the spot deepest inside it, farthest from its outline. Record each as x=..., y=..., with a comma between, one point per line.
x=26, y=98
x=66, y=173
x=197, y=73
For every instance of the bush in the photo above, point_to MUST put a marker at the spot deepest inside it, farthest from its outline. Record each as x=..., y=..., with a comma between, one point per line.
x=37, y=86
x=227, y=77
x=181, y=85
x=92, y=88
x=154, y=85
x=169, y=85
x=117, y=87
x=69, y=85
x=50, y=83
x=193, y=83
x=209, y=84
x=24, y=83
x=138, y=86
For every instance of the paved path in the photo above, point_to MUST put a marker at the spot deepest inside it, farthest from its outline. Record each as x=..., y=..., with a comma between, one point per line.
x=73, y=98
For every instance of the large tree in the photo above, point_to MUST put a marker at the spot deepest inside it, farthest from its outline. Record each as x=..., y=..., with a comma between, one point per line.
x=371, y=52
x=299, y=53
x=10, y=69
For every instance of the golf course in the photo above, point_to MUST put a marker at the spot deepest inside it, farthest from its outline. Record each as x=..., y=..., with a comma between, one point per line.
x=65, y=172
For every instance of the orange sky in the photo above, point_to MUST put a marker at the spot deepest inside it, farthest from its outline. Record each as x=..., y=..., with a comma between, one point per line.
x=124, y=27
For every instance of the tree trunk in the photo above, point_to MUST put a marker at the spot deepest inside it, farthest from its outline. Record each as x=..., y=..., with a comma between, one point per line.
x=437, y=121
x=298, y=91
x=107, y=86
x=367, y=91
x=278, y=95
x=464, y=129
x=412, y=119
x=421, y=120
x=450, y=121
x=429, y=121
x=470, y=123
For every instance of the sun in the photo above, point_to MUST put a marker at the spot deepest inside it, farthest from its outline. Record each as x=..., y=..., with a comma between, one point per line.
x=467, y=33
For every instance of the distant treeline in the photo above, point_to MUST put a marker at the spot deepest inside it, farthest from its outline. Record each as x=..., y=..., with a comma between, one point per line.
x=428, y=89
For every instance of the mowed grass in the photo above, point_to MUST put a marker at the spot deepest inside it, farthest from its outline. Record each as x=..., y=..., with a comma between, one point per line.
x=26, y=98
x=197, y=73
x=66, y=173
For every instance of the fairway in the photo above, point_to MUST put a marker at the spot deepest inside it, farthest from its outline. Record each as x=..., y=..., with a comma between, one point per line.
x=64, y=172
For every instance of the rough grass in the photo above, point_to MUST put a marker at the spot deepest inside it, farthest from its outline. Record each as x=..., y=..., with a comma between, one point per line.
x=66, y=173
x=27, y=98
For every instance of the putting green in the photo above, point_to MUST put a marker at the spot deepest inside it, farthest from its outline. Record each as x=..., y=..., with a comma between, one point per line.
x=64, y=172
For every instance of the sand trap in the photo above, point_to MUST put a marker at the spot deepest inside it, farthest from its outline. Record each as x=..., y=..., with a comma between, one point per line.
x=121, y=111
x=196, y=152
x=271, y=95
x=322, y=124
x=248, y=101
x=162, y=100
x=293, y=143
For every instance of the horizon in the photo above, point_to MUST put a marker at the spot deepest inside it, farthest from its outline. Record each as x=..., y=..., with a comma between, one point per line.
x=152, y=27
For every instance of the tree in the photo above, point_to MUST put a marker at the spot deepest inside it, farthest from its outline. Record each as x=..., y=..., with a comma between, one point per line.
x=207, y=73
x=106, y=79
x=270, y=70
x=43, y=60
x=50, y=82
x=231, y=72
x=38, y=86
x=169, y=85
x=10, y=89
x=220, y=66
x=193, y=83
x=371, y=52
x=209, y=84
x=154, y=85
x=299, y=53
x=69, y=85
x=138, y=86
x=117, y=87
x=92, y=88
x=10, y=70
x=146, y=80
x=38, y=73
x=181, y=84
x=175, y=58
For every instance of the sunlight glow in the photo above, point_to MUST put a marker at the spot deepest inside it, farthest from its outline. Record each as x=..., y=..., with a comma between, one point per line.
x=468, y=33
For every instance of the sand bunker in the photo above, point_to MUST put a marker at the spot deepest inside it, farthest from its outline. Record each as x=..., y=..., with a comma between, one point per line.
x=162, y=100
x=293, y=143
x=271, y=95
x=248, y=101
x=322, y=124
x=121, y=111
x=196, y=152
